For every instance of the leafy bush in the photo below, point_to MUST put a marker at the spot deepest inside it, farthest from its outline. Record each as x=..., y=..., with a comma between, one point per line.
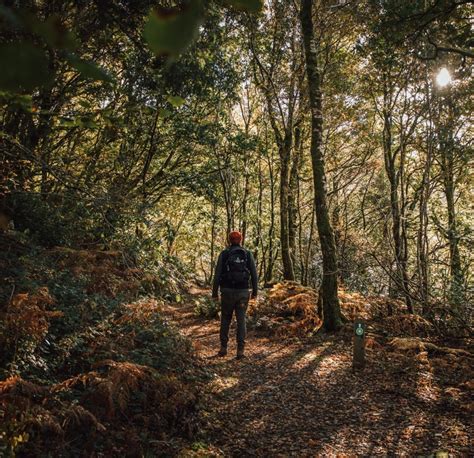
x=42, y=219
x=206, y=307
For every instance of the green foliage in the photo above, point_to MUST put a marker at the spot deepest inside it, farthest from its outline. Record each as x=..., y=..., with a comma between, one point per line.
x=175, y=100
x=59, y=220
x=161, y=160
x=24, y=67
x=46, y=223
x=164, y=113
x=89, y=69
x=252, y=6
x=206, y=307
x=141, y=175
x=17, y=101
x=53, y=31
x=170, y=32
x=88, y=293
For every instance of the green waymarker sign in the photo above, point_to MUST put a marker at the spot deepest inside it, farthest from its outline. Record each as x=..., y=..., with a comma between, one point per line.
x=358, y=361
x=359, y=330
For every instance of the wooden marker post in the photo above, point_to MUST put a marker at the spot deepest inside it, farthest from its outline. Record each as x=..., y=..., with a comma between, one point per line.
x=358, y=361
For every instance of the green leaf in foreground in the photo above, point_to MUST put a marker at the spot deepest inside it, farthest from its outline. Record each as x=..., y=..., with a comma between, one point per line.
x=89, y=69
x=169, y=32
x=252, y=6
x=164, y=113
x=25, y=102
x=54, y=33
x=175, y=100
x=24, y=67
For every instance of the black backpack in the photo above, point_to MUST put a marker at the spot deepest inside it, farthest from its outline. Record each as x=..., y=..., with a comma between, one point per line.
x=235, y=273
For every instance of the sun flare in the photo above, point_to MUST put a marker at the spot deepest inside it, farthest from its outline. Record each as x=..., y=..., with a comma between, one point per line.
x=443, y=78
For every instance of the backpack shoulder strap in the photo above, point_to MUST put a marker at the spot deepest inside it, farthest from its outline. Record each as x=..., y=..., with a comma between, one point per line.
x=225, y=255
x=239, y=249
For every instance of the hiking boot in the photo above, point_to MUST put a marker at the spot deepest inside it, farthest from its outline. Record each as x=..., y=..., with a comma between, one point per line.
x=222, y=352
x=240, y=353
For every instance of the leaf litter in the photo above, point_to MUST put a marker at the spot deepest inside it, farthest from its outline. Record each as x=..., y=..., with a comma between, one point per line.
x=297, y=395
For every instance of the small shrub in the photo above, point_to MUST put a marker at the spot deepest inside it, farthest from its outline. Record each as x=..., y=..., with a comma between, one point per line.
x=206, y=307
x=34, y=215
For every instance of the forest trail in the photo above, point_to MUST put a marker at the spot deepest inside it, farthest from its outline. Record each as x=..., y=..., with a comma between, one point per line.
x=301, y=398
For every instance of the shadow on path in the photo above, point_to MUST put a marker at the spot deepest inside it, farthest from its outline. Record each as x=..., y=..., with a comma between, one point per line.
x=301, y=398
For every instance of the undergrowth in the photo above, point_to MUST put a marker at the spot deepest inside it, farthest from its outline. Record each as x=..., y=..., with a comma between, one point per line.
x=206, y=307
x=88, y=364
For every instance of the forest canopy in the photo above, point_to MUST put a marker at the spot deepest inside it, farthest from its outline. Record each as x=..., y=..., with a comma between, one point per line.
x=162, y=127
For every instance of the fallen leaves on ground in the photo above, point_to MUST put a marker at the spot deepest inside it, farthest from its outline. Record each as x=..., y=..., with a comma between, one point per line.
x=298, y=396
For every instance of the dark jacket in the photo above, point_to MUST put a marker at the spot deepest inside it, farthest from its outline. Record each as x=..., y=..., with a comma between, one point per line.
x=220, y=282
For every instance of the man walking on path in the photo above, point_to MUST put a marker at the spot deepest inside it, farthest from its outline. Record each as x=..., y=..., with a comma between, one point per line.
x=235, y=268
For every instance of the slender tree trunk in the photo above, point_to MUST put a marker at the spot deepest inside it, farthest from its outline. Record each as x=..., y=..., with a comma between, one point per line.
x=213, y=239
x=259, y=247
x=457, y=277
x=293, y=195
x=335, y=222
x=281, y=96
x=301, y=220
x=330, y=303
x=285, y=158
x=422, y=237
x=446, y=150
x=244, y=223
x=226, y=187
x=271, y=229
x=309, y=248
x=400, y=249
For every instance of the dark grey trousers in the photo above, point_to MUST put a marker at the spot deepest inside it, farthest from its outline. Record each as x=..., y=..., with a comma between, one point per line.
x=234, y=300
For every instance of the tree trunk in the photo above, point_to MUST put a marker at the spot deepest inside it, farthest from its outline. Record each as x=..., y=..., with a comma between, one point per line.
x=259, y=246
x=228, y=198
x=213, y=239
x=400, y=250
x=271, y=229
x=422, y=237
x=309, y=248
x=244, y=216
x=285, y=157
x=446, y=150
x=331, y=311
x=293, y=196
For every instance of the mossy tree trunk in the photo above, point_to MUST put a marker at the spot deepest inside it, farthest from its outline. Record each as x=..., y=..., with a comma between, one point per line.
x=331, y=310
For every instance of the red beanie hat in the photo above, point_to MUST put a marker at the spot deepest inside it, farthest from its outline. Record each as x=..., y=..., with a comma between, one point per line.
x=235, y=237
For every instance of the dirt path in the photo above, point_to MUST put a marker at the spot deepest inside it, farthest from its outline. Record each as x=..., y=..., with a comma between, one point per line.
x=300, y=398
